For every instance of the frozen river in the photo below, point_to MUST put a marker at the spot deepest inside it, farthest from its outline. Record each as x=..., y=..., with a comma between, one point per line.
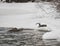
x=26, y=14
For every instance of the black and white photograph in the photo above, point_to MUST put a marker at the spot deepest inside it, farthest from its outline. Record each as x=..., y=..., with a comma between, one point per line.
x=29, y=22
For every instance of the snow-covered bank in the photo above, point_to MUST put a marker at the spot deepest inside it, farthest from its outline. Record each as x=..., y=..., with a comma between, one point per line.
x=17, y=8
x=17, y=14
x=25, y=14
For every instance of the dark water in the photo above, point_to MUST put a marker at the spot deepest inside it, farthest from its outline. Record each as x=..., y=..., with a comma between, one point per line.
x=25, y=38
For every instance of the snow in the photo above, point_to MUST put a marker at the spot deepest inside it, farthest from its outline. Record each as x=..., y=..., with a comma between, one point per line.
x=26, y=15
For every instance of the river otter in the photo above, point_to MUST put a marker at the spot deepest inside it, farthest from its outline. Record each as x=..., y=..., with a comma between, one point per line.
x=39, y=25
